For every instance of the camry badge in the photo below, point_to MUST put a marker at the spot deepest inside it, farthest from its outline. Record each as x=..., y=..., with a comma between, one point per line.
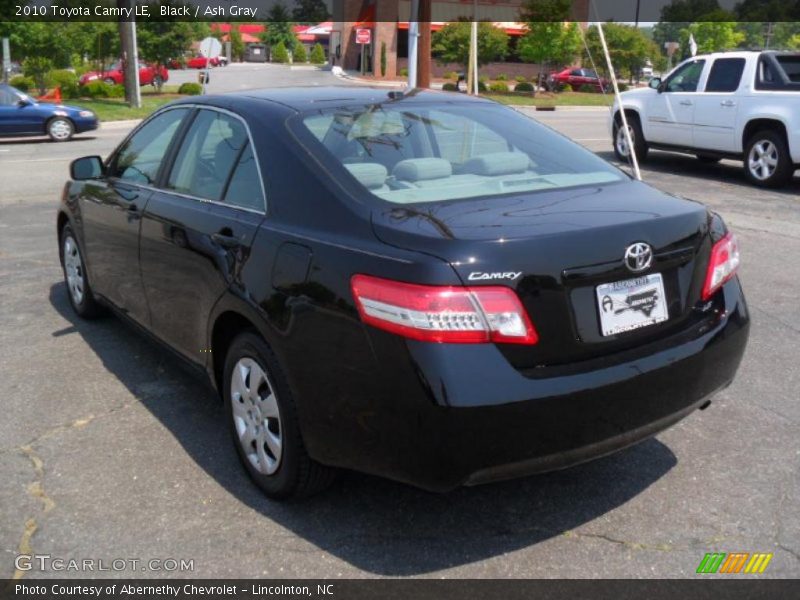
x=638, y=257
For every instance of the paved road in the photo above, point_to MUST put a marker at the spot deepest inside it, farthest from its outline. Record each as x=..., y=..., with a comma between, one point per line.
x=109, y=448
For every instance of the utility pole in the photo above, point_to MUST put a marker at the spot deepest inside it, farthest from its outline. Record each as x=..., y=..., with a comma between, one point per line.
x=130, y=57
x=413, y=44
x=424, y=50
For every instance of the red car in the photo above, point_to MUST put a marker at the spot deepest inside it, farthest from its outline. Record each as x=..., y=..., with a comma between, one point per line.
x=575, y=78
x=148, y=75
x=199, y=62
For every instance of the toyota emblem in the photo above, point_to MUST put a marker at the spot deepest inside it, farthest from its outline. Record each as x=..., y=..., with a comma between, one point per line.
x=638, y=257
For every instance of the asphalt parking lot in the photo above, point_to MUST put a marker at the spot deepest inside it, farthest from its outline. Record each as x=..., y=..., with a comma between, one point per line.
x=110, y=449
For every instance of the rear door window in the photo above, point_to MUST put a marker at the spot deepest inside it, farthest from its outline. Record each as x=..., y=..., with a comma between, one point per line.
x=244, y=189
x=140, y=158
x=726, y=73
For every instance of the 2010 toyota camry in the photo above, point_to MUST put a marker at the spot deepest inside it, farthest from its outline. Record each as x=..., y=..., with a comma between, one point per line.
x=424, y=286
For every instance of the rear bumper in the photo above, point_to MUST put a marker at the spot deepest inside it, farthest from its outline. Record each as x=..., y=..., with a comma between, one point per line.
x=450, y=415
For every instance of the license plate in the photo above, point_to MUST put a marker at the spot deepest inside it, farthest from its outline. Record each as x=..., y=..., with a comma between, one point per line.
x=631, y=304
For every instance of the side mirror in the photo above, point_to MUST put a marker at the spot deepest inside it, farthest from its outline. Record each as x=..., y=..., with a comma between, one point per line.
x=655, y=83
x=88, y=167
x=23, y=102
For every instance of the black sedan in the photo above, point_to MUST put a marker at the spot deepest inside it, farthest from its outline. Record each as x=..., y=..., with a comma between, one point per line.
x=428, y=287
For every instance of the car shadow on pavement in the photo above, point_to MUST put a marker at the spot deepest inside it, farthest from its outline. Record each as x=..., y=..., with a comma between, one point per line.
x=672, y=163
x=376, y=525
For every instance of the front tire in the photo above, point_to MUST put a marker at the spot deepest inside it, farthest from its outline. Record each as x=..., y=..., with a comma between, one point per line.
x=621, y=150
x=60, y=129
x=767, y=162
x=262, y=418
x=79, y=291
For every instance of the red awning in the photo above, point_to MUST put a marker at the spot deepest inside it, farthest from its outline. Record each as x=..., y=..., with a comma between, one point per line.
x=508, y=27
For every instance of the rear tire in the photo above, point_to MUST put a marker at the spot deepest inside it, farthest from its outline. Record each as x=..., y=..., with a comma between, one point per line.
x=262, y=418
x=767, y=162
x=76, y=279
x=621, y=144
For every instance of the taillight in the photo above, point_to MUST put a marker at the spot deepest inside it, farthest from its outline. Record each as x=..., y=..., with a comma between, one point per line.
x=444, y=314
x=722, y=266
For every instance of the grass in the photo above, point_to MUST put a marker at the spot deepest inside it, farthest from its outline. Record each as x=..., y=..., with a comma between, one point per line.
x=562, y=99
x=116, y=109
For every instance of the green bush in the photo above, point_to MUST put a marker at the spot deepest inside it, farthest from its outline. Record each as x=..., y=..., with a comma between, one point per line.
x=38, y=67
x=403, y=72
x=317, y=55
x=520, y=79
x=483, y=79
x=117, y=91
x=565, y=87
x=190, y=89
x=279, y=53
x=450, y=87
x=22, y=83
x=67, y=81
x=587, y=88
x=501, y=77
x=482, y=86
x=98, y=89
x=623, y=87
x=451, y=75
x=523, y=86
x=300, y=55
x=499, y=87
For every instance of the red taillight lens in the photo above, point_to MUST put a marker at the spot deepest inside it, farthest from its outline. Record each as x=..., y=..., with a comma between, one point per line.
x=722, y=266
x=444, y=314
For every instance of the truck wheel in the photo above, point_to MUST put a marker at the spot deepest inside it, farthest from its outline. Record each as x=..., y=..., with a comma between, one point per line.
x=767, y=162
x=621, y=150
x=262, y=417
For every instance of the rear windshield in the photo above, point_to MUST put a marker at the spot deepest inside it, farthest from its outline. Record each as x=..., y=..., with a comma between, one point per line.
x=422, y=153
x=791, y=66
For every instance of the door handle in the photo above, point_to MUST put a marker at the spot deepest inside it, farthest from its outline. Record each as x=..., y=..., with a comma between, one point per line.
x=727, y=103
x=226, y=240
x=686, y=102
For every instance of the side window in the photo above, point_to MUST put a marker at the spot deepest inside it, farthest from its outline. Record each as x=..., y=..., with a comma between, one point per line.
x=726, y=73
x=244, y=188
x=686, y=78
x=460, y=138
x=576, y=73
x=7, y=97
x=207, y=155
x=140, y=158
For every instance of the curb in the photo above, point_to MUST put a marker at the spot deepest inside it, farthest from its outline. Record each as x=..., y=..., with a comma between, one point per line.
x=127, y=123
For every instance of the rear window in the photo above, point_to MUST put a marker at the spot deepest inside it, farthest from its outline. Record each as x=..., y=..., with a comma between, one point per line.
x=790, y=66
x=424, y=153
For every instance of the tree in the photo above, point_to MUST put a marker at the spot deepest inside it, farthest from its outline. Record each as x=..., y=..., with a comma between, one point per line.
x=712, y=36
x=310, y=11
x=550, y=43
x=451, y=43
x=37, y=67
x=627, y=45
x=317, y=54
x=300, y=55
x=237, y=45
x=160, y=41
x=279, y=28
x=279, y=53
x=545, y=11
x=767, y=11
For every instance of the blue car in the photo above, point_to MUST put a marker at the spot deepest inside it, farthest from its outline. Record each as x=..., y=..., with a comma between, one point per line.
x=21, y=115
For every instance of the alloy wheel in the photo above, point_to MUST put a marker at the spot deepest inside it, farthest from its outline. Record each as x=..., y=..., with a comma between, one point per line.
x=256, y=416
x=74, y=268
x=763, y=160
x=622, y=141
x=60, y=129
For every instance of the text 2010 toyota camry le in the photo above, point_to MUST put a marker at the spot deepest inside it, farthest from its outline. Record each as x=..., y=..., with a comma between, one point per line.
x=427, y=287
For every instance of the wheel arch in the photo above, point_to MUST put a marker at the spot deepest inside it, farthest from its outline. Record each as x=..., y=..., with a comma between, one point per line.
x=762, y=123
x=225, y=327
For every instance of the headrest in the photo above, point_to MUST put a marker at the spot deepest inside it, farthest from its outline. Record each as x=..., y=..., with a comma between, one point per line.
x=371, y=175
x=497, y=163
x=421, y=169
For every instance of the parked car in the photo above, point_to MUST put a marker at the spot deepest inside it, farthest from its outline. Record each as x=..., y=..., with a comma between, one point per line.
x=428, y=287
x=148, y=75
x=575, y=78
x=739, y=105
x=21, y=115
x=199, y=62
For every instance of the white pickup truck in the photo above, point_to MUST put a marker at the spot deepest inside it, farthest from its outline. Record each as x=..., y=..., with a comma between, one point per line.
x=739, y=105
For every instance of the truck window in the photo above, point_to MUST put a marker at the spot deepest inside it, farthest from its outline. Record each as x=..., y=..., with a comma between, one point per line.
x=726, y=73
x=686, y=78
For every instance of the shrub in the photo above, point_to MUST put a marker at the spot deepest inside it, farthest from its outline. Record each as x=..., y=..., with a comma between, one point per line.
x=66, y=80
x=383, y=59
x=564, y=87
x=403, y=72
x=501, y=77
x=587, y=88
x=317, y=55
x=116, y=91
x=520, y=79
x=483, y=79
x=38, y=67
x=499, y=87
x=482, y=86
x=451, y=75
x=98, y=89
x=523, y=86
x=279, y=53
x=450, y=87
x=300, y=55
x=22, y=83
x=190, y=89
x=623, y=87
